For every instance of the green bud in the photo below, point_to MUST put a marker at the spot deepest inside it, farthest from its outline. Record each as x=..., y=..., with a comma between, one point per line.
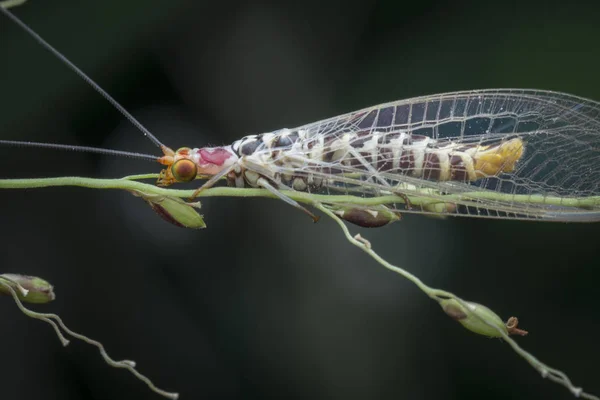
x=175, y=211
x=37, y=289
x=372, y=217
x=475, y=317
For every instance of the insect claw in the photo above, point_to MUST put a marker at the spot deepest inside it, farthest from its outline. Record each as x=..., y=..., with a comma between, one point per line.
x=196, y=192
x=407, y=203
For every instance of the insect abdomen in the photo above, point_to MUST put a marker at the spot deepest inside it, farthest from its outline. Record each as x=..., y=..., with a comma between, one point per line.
x=422, y=157
x=375, y=152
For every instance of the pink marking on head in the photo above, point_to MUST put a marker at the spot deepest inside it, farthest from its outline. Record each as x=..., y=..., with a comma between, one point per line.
x=216, y=156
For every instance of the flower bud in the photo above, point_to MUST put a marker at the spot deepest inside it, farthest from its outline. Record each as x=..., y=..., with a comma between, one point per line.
x=36, y=290
x=175, y=211
x=475, y=317
x=372, y=217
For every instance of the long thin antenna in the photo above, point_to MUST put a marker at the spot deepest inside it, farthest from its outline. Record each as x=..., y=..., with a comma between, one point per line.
x=87, y=149
x=83, y=76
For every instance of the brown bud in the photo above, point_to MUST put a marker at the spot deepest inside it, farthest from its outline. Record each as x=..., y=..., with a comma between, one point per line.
x=372, y=217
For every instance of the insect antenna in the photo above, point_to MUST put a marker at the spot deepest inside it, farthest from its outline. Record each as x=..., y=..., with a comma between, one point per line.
x=87, y=149
x=83, y=76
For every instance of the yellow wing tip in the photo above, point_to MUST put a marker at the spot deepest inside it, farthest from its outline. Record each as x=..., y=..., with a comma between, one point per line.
x=498, y=159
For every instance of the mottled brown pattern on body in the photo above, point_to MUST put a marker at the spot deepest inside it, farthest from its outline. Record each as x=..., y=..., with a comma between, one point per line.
x=458, y=168
x=394, y=152
x=431, y=165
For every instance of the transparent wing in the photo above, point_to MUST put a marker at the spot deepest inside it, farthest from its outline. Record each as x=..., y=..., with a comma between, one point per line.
x=556, y=178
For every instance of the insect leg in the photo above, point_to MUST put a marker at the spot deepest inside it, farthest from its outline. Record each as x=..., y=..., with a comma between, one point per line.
x=214, y=179
x=251, y=165
x=262, y=182
x=375, y=174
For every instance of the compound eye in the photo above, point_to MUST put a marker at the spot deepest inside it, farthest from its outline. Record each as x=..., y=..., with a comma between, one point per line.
x=184, y=170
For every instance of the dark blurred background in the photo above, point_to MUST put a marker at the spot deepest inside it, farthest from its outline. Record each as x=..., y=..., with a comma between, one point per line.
x=263, y=303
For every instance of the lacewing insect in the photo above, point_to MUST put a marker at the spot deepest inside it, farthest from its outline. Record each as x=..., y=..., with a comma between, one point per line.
x=496, y=153
x=515, y=154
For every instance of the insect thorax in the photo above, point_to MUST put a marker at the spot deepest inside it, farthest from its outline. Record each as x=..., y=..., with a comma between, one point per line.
x=275, y=156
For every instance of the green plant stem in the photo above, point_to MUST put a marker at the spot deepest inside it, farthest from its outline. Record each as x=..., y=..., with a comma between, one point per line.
x=130, y=183
x=56, y=322
x=439, y=295
x=11, y=3
x=319, y=201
